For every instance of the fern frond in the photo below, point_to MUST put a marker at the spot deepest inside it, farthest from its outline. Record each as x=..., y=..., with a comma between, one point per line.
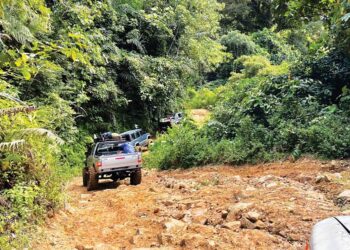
x=16, y=110
x=13, y=146
x=16, y=29
x=127, y=76
x=134, y=38
x=42, y=132
x=137, y=43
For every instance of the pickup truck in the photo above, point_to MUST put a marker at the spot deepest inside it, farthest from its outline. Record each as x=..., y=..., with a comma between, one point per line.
x=114, y=160
x=137, y=138
x=169, y=121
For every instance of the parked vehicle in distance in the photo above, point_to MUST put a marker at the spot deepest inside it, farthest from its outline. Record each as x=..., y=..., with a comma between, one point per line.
x=169, y=121
x=174, y=118
x=331, y=233
x=137, y=138
x=178, y=117
x=112, y=159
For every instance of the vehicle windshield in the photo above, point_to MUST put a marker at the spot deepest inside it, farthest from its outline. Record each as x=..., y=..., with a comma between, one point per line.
x=108, y=148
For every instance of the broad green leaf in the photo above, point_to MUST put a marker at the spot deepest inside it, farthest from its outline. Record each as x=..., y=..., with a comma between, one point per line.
x=26, y=74
x=24, y=58
x=18, y=62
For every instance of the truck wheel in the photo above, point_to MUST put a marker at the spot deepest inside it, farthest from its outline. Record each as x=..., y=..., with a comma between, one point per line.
x=85, y=177
x=93, y=179
x=135, y=177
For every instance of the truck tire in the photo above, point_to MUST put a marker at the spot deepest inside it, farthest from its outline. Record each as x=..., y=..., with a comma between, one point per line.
x=136, y=177
x=92, y=180
x=115, y=178
x=85, y=177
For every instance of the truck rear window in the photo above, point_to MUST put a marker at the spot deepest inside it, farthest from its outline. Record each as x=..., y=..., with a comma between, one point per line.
x=126, y=137
x=108, y=148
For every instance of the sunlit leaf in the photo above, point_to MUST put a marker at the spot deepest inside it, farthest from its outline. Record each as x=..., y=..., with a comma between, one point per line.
x=74, y=55
x=26, y=74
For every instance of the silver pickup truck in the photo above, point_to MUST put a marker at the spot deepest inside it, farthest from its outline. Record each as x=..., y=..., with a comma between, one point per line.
x=114, y=160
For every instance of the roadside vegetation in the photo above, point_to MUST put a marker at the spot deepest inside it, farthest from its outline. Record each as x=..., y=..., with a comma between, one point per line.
x=275, y=77
x=282, y=92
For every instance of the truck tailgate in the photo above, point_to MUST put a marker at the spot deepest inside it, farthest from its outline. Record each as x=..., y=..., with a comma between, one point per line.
x=119, y=161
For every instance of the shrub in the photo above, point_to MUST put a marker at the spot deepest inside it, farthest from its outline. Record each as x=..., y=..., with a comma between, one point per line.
x=251, y=65
x=291, y=114
x=203, y=98
x=332, y=71
x=251, y=144
x=187, y=146
x=182, y=147
x=276, y=45
x=328, y=136
x=239, y=44
x=256, y=65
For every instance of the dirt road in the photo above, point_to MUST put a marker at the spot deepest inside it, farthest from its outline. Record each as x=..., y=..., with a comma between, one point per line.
x=271, y=206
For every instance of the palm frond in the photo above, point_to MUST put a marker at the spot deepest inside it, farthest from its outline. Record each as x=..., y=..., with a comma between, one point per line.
x=42, y=132
x=13, y=146
x=7, y=96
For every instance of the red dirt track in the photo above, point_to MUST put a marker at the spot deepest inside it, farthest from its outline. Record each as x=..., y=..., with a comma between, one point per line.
x=269, y=206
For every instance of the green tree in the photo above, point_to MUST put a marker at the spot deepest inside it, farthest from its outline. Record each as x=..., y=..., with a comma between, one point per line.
x=246, y=15
x=291, y=14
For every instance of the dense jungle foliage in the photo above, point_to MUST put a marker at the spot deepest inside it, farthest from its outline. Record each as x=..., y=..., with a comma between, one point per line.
x=274, y=74
x=283, y=90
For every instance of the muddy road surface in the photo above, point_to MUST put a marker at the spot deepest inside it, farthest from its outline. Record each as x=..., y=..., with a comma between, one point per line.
x=270, y=206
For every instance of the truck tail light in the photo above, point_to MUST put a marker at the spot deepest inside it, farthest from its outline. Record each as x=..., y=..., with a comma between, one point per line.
x=139, y=159
x=98, y=164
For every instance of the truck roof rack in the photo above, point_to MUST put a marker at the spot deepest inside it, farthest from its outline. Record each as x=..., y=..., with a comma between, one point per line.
x=107, y=140
x=102, y=137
